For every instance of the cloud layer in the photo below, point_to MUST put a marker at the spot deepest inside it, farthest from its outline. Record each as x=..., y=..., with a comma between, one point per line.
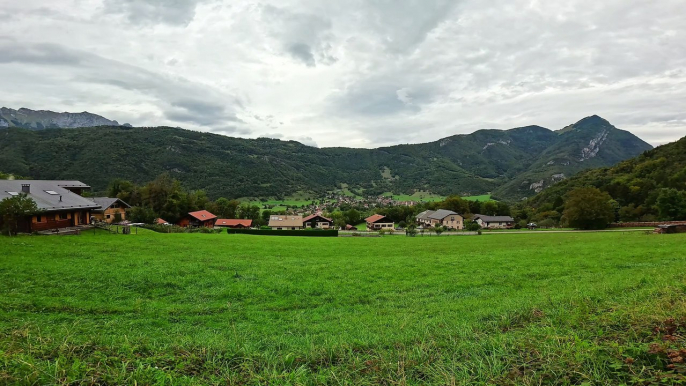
x=361, y=73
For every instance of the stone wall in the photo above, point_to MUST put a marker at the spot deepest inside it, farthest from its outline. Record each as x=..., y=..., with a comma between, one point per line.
x=645, y=224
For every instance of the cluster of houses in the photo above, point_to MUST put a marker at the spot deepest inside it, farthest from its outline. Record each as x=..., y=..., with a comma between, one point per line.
x=61, y=204
x=451, y=220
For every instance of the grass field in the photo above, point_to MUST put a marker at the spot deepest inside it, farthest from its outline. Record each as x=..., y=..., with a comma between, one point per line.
x=163, y=309
x=417, y=196
x=482, y=198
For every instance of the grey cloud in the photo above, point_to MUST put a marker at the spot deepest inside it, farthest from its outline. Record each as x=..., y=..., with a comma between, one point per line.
x=303, y=52
x=306, y=141
x=403, y=24
x=371, y=72
x=49, y=54
x=306, y=37
x=178, y=99
x=174, y=12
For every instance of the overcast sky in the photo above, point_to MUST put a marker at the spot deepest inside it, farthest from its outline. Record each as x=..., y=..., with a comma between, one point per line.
x=358, y=73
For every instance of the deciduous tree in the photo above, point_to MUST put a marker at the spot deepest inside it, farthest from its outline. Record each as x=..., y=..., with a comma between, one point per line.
x=14, y=209
x=671, y=204
x=588, y=208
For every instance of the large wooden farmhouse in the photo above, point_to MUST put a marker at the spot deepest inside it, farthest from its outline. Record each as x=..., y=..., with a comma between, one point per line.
x=199, y=219
x=59, y=203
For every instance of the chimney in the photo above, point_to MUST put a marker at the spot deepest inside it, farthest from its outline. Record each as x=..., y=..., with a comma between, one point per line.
x=60, y=198
x=26, y=188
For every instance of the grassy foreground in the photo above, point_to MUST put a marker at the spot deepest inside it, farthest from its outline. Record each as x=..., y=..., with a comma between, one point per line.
x=595, y=309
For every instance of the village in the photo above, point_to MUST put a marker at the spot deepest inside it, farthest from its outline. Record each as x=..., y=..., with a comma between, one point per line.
x=64, y=206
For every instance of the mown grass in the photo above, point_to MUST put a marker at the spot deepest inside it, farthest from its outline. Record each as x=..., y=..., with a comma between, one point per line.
x=482, y=198
x=597, y=309
x=417, y=196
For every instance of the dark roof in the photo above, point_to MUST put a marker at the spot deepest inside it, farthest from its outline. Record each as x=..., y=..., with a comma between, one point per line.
x=441, y=214
x=313, y=216
x=58, y=198
x=425, y=215
x=376, y=218
x=485, y=218
x=72, y=184
x=202, y=215
x=106, y=202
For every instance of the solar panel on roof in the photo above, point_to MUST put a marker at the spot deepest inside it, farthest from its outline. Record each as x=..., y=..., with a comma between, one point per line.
x=13, y=193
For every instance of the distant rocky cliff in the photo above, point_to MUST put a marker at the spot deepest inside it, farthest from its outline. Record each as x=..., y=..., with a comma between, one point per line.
x=43, y=119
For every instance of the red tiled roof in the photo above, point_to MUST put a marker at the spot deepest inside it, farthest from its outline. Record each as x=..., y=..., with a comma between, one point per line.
x=161, y=221
x=375, y=218
x=310, y=217
x=202, y=215
x=233, y=223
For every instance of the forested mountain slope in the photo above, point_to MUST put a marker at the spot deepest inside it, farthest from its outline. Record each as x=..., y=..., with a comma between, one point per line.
x=512, y=163
x=636, y=184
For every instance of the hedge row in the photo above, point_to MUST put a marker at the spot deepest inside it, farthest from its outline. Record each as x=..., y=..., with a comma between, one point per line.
x=272, y=232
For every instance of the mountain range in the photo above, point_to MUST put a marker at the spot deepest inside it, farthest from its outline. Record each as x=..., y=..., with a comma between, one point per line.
x=510, y=164
x=635, y=184
x=43, y=119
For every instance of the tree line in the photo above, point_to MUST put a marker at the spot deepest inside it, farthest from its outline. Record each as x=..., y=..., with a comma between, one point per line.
x=165, y=198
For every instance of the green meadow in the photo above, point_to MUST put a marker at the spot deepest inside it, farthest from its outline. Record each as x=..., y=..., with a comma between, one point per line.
x=417, y=196
x=482, y=198
x=196, y=309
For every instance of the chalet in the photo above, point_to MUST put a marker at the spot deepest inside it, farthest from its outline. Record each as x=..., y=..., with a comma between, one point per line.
x=349, y=227
x=110, y=209
x=284, y=222
x=378, y=222
x=161, y=221
x=317, y=221
x=441, y=217
x=59, y=203
x=199, y=219
x=233, y=223
x=494, y=222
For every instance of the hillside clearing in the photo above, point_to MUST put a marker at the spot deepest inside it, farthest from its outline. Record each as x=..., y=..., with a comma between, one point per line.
x=217, y=309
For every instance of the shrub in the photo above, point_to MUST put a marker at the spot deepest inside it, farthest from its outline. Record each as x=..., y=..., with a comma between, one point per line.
x=472, y=226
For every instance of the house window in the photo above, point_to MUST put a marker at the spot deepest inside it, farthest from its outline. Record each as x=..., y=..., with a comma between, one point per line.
x=107, y=216
x=39, y=218
x=63, y=216
x=51, y=192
